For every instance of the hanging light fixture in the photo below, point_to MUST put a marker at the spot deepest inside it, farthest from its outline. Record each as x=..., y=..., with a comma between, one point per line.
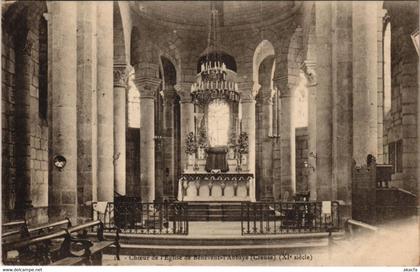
x=212, y=82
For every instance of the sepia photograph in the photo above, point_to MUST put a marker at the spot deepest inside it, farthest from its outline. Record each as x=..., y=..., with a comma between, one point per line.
x=210, y=133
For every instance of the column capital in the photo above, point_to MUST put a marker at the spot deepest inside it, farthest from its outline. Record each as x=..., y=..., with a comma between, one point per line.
x=308, y=67
x=121, y=75
x=169, y=95
x=282, y=85
x=249, y=90
x=183, y=89
x=266, y=96
x=147, y=86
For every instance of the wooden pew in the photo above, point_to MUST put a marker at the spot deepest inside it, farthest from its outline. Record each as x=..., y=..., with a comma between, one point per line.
x=25, y=232
x=72, y=250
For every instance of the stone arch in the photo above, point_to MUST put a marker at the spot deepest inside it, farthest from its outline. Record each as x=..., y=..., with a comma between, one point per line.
x=263, y=50
x=294, y=58
x=169, y=73
x=134, y=46
x=120, y=51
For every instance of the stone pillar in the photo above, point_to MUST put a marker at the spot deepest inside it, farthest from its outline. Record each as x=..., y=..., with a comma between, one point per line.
x=266, y=96
x=105, y=101
x=187, y=116
x=249, y=91
x=121, y=73
x=63, y=202
x=86, y=107
x=365, y=73
x=323, y=101
x=169, y=143
x=287, y=139
x=309, y=70
x=342, y=159
x=147, y=88
x=24, y=66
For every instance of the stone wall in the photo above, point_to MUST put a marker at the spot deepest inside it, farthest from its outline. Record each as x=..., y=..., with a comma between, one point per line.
x=39, y=133
x=402, y=123
x=302, y=138
x=34, y=138
x=8, y=123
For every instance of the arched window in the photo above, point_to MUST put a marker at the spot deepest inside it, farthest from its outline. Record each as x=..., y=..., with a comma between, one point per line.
x=387, y=69
x=43, y=68
x=133, y=100
x=301, y=103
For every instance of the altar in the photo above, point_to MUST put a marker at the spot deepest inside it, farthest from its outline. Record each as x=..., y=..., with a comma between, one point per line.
x=218, y=166
x=216, y=187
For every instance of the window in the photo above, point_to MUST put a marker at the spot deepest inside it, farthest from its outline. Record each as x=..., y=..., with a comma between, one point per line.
x=395, y=156
x=43, y=69
x=387, y=69
x=133, y=107
x=218, y=122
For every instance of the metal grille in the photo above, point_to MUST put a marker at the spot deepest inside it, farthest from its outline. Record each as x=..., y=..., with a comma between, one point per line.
x=289, y=217
x=145, y=218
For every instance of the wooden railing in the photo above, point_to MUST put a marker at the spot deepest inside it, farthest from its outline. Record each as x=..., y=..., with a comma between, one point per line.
x=145, y=218
x=289, y=217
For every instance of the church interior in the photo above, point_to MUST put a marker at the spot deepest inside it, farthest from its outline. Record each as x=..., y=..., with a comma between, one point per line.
x=159, y=119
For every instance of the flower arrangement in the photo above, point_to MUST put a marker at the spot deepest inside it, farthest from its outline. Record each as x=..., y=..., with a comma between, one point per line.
x=243, y=143
x=190, y=144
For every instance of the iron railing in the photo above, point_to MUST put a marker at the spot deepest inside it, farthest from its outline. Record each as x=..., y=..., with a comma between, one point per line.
x=145, y=218
x=289, y=217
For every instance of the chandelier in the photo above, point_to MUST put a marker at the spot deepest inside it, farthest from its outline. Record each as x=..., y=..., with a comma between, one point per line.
x=213, y=80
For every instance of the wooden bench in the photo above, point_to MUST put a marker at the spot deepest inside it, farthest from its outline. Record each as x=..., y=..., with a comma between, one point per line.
x=25, y=232
x=72, y=250
x=13, y=228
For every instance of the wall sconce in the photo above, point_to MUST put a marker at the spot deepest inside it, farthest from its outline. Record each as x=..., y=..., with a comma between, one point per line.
x=306, y=164
x=59, y=162
x=415, y=37
x=312, y=154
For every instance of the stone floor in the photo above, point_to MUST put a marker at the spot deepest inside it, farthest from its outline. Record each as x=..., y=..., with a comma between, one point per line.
x=394, y=244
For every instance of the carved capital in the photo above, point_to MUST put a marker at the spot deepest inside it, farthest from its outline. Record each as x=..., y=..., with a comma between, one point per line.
x=121, y=75
x=184, y=92
x=266, y=96
x=282, y=86
x=308, y=68
x=249, y=90
x=169, y=96
x=147, y=86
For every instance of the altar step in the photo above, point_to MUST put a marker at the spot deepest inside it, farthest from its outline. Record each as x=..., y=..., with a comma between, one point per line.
x=214, y=211
x=134, y=244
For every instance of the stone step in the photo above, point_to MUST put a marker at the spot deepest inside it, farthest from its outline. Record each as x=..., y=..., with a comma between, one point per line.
x=205, y=249
x=223, y=240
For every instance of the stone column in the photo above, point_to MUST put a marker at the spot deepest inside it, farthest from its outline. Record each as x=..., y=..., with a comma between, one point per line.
x=86, y=107
x=187, y=116
x=121, y=73
x=342, y=159
x=249, y=91
x=287, y=139
x=309, y=70
x=147, y=88
x=365, y=72
x=266, y=96
x=24, y=66
x=105, y=101
x=169, y=143
x=323, y=101
x=63, y=202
